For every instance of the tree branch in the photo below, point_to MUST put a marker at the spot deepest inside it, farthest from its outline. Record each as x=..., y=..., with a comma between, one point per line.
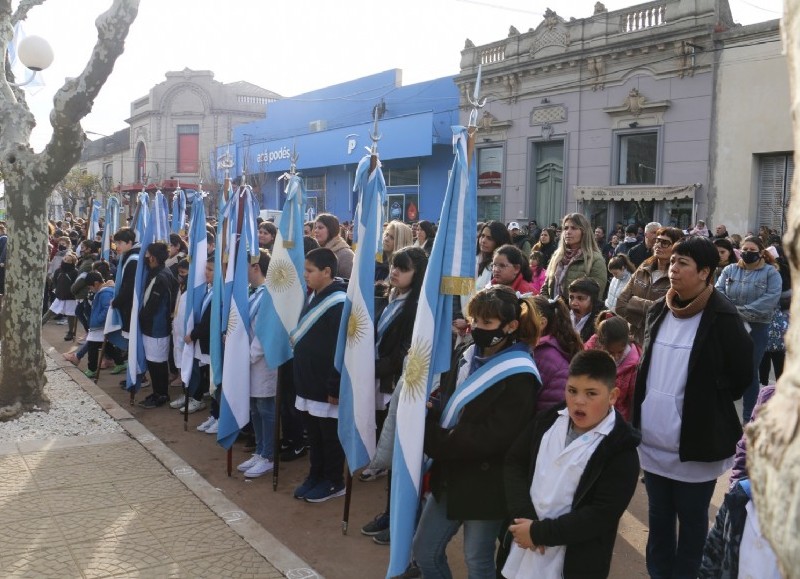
x=74, y=100
x=23, y=9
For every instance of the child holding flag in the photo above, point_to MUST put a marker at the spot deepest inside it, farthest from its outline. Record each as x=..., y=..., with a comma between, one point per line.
x=467, y=441
x=316, y=378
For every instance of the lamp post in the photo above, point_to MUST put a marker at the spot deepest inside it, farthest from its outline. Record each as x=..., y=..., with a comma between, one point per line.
x=36, y=54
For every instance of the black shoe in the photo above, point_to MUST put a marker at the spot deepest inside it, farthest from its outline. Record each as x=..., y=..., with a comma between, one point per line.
x=154, y=401
x=376, y=526
x=291, y=454
x=382, y=538
x=69, y=337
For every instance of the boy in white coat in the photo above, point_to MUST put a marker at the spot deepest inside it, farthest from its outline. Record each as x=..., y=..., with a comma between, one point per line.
x=569, y=477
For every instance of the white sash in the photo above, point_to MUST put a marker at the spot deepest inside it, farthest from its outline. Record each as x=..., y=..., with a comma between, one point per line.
x=314, y=314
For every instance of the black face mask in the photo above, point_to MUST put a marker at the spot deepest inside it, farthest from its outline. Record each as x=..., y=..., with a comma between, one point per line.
x=750, y=256
x=487, y=338
x=62, y=247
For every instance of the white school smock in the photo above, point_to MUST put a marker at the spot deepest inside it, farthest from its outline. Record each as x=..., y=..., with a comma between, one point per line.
x=559, y=468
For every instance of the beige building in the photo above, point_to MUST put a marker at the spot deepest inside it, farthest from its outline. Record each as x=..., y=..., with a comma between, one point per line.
x=752, y=155
x=173, y=130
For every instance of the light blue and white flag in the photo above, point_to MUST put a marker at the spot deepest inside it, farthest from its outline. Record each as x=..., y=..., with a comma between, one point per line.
x=219, y=303
x=178, y=212
x=142, y=215
x=110, y=227
x=451, y=271
x=94, y=218
x=234, y=405
x=286, y=288
x=355, y=350
x=160, y=218
x=195, y=284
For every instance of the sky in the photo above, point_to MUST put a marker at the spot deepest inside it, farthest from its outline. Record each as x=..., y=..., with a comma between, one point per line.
x=289, y=47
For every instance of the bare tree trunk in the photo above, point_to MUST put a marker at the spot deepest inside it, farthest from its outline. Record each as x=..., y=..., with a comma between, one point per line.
x=774, y=455
x=29, y=181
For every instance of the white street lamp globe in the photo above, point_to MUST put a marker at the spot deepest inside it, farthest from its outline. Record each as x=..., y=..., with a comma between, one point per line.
x=35, y=53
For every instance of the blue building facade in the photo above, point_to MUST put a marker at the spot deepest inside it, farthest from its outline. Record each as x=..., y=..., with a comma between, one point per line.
x=330, y=130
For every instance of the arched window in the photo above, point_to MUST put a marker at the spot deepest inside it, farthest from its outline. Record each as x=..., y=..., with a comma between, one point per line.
x=141, y=163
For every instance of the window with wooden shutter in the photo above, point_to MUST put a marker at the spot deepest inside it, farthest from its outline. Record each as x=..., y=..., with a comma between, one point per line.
x=774, y=190
x=188, y=149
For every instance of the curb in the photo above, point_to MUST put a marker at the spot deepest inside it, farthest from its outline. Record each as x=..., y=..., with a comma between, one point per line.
x=264, y=542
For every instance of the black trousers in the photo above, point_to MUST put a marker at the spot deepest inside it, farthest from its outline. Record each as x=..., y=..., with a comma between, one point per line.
x=291, y=419
x=159, y=377
x=110, y=351
x=326, y=454
x=774, y=359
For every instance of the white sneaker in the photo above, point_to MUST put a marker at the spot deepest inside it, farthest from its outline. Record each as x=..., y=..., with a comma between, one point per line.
x=262, y=466
x=178, y=402
x=214, y=428
x=205, y=425
x=195, y=405
x=248, y=463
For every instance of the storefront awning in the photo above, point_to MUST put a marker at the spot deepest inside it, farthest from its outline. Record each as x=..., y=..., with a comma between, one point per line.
x=635, y=192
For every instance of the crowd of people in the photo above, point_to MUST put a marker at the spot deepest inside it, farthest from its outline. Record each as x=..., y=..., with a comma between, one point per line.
x=594, y=357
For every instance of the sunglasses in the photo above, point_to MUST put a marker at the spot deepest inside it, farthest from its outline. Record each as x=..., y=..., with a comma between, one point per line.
x=663, y=242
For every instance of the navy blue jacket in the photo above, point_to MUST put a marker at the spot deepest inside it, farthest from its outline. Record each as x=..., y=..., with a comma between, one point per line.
x=315, y=377
x=155, y=315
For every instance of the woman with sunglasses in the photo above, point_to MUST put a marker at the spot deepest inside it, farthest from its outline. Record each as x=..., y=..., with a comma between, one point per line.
x=649, y=283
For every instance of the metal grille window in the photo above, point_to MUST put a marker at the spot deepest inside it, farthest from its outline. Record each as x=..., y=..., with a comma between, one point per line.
x=315, y=183
x=775, y=173
x=402, y=177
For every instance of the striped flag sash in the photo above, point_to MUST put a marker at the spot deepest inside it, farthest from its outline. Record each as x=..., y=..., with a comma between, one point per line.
x=311, y=316
x=506, y=363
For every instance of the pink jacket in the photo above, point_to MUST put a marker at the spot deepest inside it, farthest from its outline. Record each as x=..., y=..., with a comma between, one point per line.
x=626, y=376
x=538, y=281
x=553, y=364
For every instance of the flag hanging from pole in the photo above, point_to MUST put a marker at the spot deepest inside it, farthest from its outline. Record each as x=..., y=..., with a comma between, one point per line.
x=234, y=405
x=94, y=218
x=218, y=299
x=160, y=218
x=355, y=349
x=178, y=224
x=110, y=227
x=195, y=283
x=283, y=301
x=142, y=215
x=451, y=271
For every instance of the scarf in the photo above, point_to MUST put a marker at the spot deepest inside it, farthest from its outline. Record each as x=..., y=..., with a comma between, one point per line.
x=682, y=309
x=569, y=257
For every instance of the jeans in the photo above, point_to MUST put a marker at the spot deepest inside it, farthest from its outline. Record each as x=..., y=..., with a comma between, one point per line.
x=262, y=417
x=759, y=333
x=670, y=502
x=435, y=531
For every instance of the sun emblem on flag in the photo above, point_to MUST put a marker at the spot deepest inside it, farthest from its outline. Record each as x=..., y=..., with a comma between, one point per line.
x=357, y=325
x=280, y=275
x=415, y=374
x=233, y=320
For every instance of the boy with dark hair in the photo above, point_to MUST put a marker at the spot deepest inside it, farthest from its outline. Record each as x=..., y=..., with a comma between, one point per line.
x=103, y=294
x=128, y=251
x=569, y=478
x=316, y=379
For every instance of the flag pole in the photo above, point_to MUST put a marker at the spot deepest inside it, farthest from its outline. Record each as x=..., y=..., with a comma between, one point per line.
x=347, y=497
x=100, y=362
x=472, y=127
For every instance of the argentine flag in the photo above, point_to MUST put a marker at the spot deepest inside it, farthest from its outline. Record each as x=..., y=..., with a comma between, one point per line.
x=142, y=215
x=355, y=350
x=195, y=284
x=234, y=406
x=160, y=218
x=283, y=301
x=178, y=212
x=110, y=228
x=451, y=271
x=218, y=298
x=94, y=218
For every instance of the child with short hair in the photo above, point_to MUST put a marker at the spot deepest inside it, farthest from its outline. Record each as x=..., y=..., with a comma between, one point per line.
x=569, y=478
x=103, y=294
x=614, y=337
x=316, y=379
x=584, y=305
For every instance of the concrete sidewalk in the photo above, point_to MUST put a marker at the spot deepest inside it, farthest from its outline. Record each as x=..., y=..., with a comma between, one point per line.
x=124, y=505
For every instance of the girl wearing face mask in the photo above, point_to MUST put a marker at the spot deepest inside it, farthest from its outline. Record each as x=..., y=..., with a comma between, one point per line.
x=753, y=284
x=467, y=437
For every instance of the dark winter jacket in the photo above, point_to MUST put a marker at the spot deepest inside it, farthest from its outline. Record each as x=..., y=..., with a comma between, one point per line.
x=201, y=332
x=603, y=493
x=63, y=279
x=468, y=459
x=721, y=551
x=79, y=288
x=124, y=300
x=720, y=368
x=739, y=470
x=159, y=294
x=638, y=253
x=394, y=346
x=315, y=377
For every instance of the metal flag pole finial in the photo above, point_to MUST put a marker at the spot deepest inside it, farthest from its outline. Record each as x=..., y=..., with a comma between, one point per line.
x=374, y=135
x=476, y=102
x=293, y=159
